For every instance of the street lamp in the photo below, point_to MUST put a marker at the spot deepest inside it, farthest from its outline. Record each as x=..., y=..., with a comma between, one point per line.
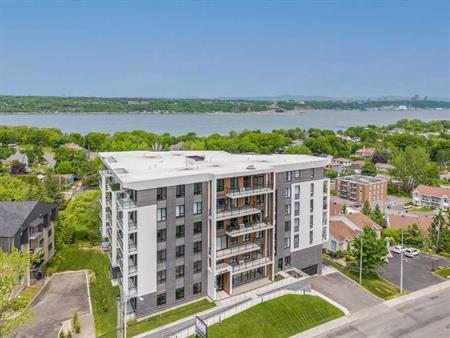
x=360, y=262
x=401, y=266
x=122, y=302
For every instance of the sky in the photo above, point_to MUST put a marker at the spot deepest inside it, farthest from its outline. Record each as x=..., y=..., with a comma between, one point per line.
x=225, y=48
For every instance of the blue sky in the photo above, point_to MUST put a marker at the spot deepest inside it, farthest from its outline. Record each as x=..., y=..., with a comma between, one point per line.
x=219, y=49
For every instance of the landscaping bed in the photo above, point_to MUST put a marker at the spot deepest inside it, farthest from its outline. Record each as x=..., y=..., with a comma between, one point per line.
x=443, y=272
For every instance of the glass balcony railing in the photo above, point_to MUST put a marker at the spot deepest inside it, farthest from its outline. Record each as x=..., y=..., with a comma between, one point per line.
x=126, y=202
x=237, y=250
x=253, y=264
x=243, y=229
x=248, y=191
x=238, y=212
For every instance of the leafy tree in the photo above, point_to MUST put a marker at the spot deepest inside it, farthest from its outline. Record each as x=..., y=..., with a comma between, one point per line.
x=344, y=208
x=348, y=171
x=443, y=157
x=366, y=209
x=14, y=266
x=413, y=236
x=331, y=174
x=301, y=150
x=369, y=169
x=377, y=215
x=15, y=189
x=413, y=167
x=373, y=251
x=439, y=233
x=393, y=235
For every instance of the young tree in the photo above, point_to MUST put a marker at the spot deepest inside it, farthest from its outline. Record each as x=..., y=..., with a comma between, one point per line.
x=13, y=267
x=373, y=251
x=413, y=236
x=344, y=209
x=369, y=169
x=377, y=215
x=439, y=233
x=366, y=209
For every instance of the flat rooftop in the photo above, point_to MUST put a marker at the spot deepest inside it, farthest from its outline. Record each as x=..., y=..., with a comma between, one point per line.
x=154, y=168
x=361, y=179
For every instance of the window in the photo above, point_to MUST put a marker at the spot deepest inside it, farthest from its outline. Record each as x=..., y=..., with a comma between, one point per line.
x=287, y=209
x=179, y=271
x=234, y=183
x=220, y=204
x=179, y=293
x=197, y=288
x=197, y=208
x=311, y=205
x=297, y=191
x=259, y=234
x=198, y=267
x=162, y=235
x=287, y=260
x=234, y=241
x=179, y=251
x=311, y=221
x=333, y=245
x=197, y=247
x=221, y=242
x=161, y=214
x=296, y=224
x=161, y=194
x=246, y=238
x=179, y=211
x=325, y=187
x=287, y=192
x=311, y=237
x=324, y=233
x=161, y=256
x=296, y=241
x=288, y=176
x=312, y=189
x=180, y=190
x=220, y=185
x=49, y=232
x=287, y=226
x=297, y=208
x=220, y=225
x=161, y=299
x=287, y=242
x=312, y=173
x=197, y=188
x=179, y=231
x=297, y=173
x=50, y=246
x=197, y=228
x=161, y=277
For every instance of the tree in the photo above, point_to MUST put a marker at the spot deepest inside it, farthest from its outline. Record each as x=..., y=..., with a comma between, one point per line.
x=377, y=215
x=300, y=150
x=413, y=167
x=344, y=208
x=366, y=209
x=331, y=173
x=14, y=266
x=15, y=189
x=373, y=251
x=443, y=157
x=439, y=233
x=413, y=236
x=348, y=171
x=369, y=169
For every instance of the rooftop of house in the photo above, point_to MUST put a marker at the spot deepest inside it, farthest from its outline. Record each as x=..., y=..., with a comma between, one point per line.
x=361, y=179
x=148, y=167
x=341, y=231
x=404, y=221
x=13, y=215
x=366, y=150
x=432, y=191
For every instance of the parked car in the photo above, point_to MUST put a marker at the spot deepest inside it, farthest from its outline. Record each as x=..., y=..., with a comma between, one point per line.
x=399, y=249
x=356, y=205
x=414, y=251
x=408, y=253
x=391, y=205
x=407, y=206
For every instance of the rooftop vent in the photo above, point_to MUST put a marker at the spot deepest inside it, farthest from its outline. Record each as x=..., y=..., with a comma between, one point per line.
x=121, y=171
x=110, y=159
x=251, y=167
x=196, y=158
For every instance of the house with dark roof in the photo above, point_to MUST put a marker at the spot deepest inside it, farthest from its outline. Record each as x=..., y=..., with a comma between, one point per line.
x=28, y=227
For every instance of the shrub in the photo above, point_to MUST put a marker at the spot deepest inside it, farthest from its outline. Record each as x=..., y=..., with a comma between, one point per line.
x=76, y=323
x=61, y=334
x=69, y=334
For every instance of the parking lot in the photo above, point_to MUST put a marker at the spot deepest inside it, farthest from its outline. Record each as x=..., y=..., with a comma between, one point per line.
x=417, y=271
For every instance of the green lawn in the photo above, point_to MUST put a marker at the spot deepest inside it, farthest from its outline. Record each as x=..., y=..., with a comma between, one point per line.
x=276, y=318
x=443, y=272
x=373, y=283
x=421, y=209
x=103, y=294
x=135, y=327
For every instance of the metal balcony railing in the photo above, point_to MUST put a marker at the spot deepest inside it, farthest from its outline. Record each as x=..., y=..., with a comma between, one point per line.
x=243, y=229
x=253, y=264
x=248, y=191
x=237, y=250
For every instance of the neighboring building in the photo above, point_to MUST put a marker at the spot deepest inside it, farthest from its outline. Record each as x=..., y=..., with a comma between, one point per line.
x=341, y=162
x=19, y=157
x=359, y=188
x=186, y=225
x=28, y=227
x=404, y=221
x=431, y=197
x=384, y=167
x=50, y=159
x=366, y=152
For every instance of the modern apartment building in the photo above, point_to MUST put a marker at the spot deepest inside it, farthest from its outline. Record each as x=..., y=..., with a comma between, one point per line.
x=184, y=225
x=28, y=227
x=359, y=188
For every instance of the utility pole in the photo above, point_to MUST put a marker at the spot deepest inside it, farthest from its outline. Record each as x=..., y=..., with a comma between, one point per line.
x=401, y=267
x=438, y=232
x=360, y=261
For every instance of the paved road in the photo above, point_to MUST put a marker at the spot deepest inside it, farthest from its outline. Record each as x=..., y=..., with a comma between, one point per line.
x=344, y=292
x=416, y=271
x=63, y=295
x=426, y=316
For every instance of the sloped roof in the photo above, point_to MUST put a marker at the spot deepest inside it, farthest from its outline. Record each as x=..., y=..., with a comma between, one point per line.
x=432, y=191
x=342, y=231
x=362, y=220
x=13, y=215
x=404, y=221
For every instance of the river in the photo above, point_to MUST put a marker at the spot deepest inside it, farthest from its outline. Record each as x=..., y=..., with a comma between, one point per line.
x=205, y=124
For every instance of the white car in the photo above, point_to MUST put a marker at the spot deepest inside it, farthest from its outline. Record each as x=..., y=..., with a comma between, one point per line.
x=399, y=249
x=408, y=253
x=414, y=251
x=407, y=206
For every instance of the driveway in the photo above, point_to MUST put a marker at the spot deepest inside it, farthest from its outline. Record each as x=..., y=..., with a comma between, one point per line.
x=416, y=271
x=64, y=294
x=344, y=291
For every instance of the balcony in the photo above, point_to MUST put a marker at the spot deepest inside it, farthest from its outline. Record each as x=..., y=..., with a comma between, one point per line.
x=132, y=289
x=132, y=267
x=36, y=236
x=132, y=246
x=236, y=212
x=243, y=229
x=36, y=250
x=223, y=268
x=126, y=203
x=249, y=191
x=237, y=250
x=254, y=264
x=132, y=226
